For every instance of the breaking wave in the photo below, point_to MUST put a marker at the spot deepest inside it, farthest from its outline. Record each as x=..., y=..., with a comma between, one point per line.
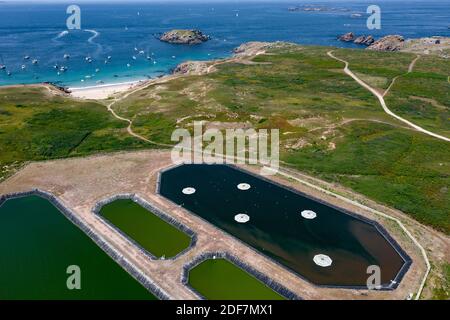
x=95, y=34
x=60, y=35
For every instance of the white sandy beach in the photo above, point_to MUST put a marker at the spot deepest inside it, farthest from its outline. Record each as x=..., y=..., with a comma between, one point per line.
x=103, y=91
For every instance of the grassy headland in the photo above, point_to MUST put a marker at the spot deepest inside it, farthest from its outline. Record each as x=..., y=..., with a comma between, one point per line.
x=330, y=126
x=37, y=125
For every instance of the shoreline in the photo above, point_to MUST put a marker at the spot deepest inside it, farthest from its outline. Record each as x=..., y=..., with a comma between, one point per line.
x=104, y=91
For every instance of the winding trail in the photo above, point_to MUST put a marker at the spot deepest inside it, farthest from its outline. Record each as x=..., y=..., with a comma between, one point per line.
x=410, y=69
x=286, y=172
x=129, y=121
x=381, y=97
x=164, y=80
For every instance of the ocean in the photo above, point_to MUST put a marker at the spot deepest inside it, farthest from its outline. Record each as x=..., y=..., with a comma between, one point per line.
x=127, y=32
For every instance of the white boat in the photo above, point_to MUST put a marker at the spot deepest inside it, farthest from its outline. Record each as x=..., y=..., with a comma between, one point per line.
x=35, y=61
x=134, y=58
x=66, y=56
x=26, y=58
x=23, y=67
x=2, y=67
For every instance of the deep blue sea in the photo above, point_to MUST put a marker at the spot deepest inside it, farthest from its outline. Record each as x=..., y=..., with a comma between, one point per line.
x=123, y=30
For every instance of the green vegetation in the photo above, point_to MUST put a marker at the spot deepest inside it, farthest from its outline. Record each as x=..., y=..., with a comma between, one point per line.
x=442, y=290
x=45, y=244
x=423, y=98
x=386, y=65
x=403, y=169
x=145, y=228
x=330, y=126
x=35, y=125
x=220, y=279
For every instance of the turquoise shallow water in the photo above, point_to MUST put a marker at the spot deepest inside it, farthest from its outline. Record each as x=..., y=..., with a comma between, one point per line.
x=37, y=244
x=114, y=29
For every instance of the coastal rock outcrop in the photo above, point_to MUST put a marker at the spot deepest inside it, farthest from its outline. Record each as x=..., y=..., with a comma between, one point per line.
x=184, y=37
x=317, y=8
x=388, y=43
x=191, y=67
x=241, y=53
x=364, y=40
x=348, y=37
x=252, y=48
x=309, y=8
x=435, y=45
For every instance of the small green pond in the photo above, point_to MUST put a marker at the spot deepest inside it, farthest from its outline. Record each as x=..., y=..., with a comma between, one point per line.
x=219, y=279
x=38, y=243
x=152, y=233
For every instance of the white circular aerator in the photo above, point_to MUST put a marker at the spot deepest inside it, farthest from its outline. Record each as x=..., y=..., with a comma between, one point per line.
x=243, y=186
x=242, y=218
x=189, y=190
x=309, y=214
x=322, y=260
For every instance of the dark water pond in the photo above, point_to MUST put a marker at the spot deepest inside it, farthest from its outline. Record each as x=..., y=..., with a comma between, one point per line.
x=277, y=228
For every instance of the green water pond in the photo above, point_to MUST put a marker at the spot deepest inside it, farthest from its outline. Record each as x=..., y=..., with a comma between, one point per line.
x=219, y=279
x=37, y=245
x=152, y=233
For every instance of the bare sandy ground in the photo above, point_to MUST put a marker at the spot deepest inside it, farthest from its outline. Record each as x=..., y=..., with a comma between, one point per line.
x=81, y=183
x=430, y=45
x=105, y=91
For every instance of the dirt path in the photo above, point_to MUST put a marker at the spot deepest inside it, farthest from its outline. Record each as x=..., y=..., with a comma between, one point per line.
x=160, y=81
x=413, y=63
x=129, y=121
x=410, y=69
x=381, y=99
x=81, y=183
x=347, y=121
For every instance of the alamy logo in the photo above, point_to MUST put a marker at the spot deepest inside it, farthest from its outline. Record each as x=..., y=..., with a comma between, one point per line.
x=374, y=21
x=241, y=147
x=74, y=20
x=74, y=280
x=374, y=280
